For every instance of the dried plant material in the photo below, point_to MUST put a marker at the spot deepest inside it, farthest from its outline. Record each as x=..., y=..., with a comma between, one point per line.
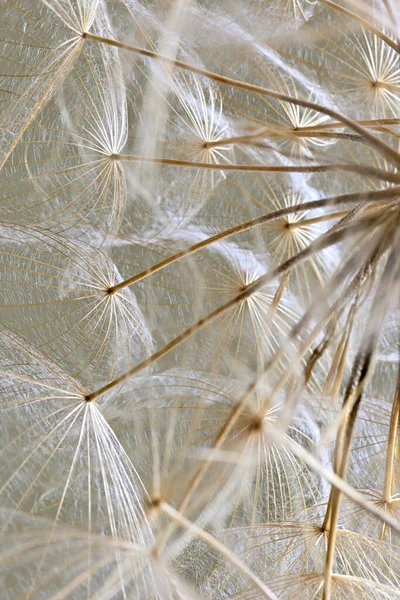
x=199, y=300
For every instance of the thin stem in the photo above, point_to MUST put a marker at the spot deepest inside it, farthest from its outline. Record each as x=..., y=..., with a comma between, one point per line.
x=330, y=551
x=265, y=132
x=247, y=291
x=348, y=490
x=351, y=404
x=333, y=312
x=343, y=447
x=386, y=150
x=392, y=18
x=243, y=402
x=388, y=488
x=312, y=221
x=218, y=547
x=336, y=371
x=268, y=217
x=319, y=244
x=372, y=123
x=363, y=23
x=347, y=167
x=36, y=103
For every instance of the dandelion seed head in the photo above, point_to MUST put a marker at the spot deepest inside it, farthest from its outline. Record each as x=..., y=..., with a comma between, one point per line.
x=199, y=283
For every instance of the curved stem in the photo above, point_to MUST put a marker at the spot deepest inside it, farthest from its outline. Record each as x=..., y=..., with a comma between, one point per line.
x=386, y=150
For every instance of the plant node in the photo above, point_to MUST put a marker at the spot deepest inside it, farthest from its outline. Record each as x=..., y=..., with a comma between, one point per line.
x=255, y=424
x=154, y=503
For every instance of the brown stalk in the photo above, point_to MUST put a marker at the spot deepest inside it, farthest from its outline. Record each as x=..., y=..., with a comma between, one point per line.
x=343, y=446
x=392, y=446
x=370, y=123
x=393, y=441
x=351, y=404
x=216, y=545
x=321, y=243
x=333, y=311
x=242, y=404
x=363, y=22
x=266, y=132
x=366, y=197
x=386, y=150
x=347, y=167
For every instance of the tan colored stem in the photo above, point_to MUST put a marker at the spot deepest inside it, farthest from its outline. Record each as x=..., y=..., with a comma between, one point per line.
x=278, y=214
x=335, y=374
x=321, y=243
x=370, y=123
x=56, y=79
x=343, y=447
x=238, y=409
x=321, y=219
x=242, y=404
x=386, y=150
x=332, y=312
x=347, y=167
x=393, y=440
x=363, y=22
x=348, y=490
x=351, y=403
x=330, y=552
x=218, y=547
x=254, y=138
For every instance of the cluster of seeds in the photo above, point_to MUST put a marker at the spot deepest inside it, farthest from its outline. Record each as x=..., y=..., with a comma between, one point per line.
x=199, y=299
